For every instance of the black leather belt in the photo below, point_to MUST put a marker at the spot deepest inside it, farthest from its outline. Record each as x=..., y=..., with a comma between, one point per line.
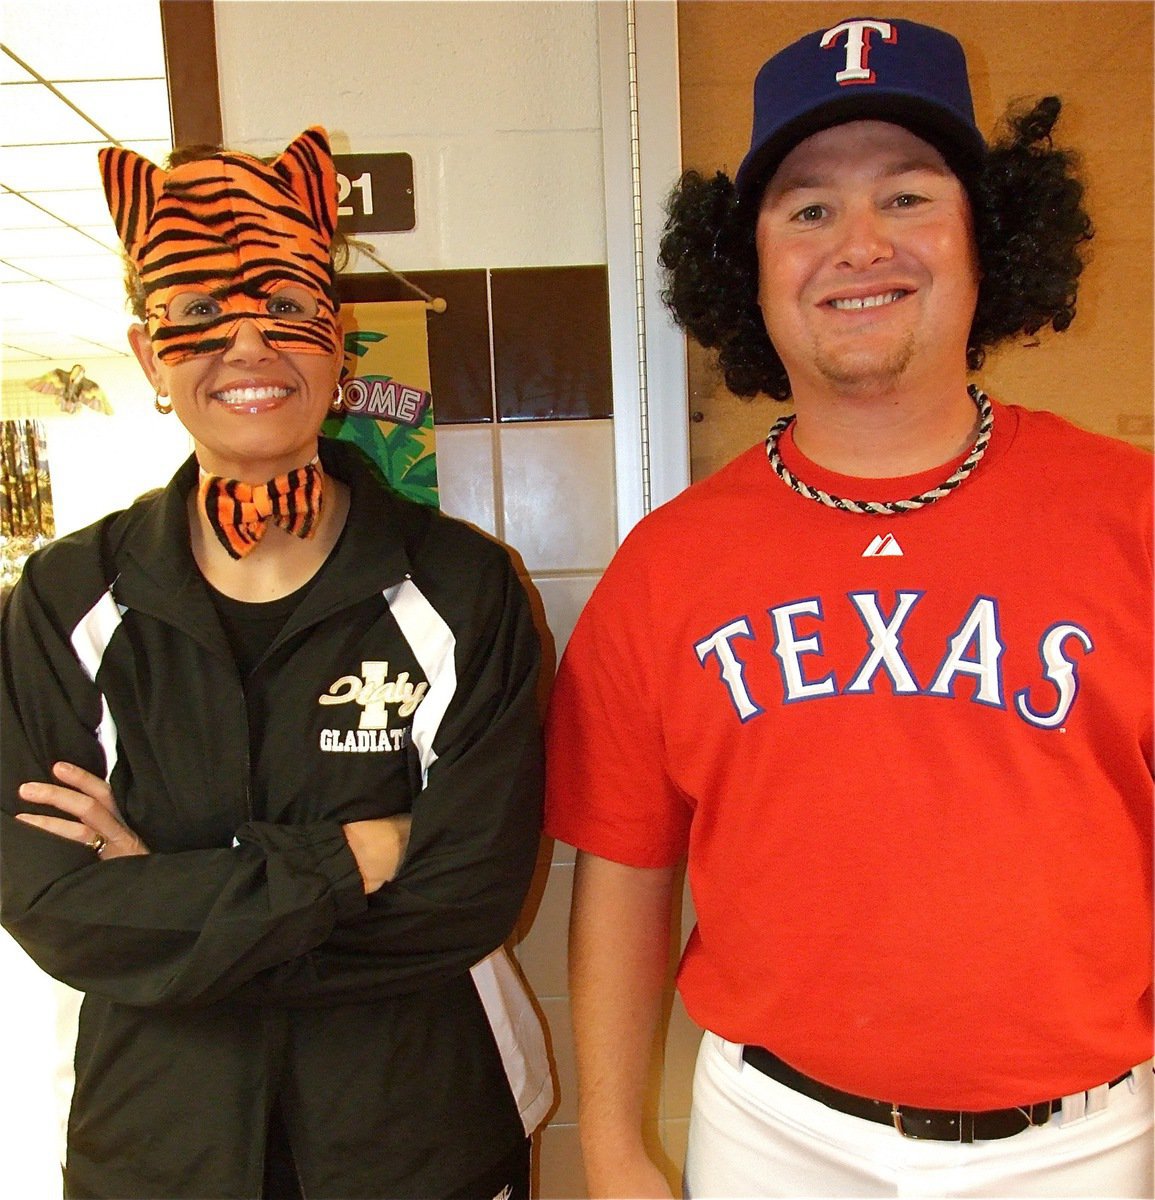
x=936, y=1124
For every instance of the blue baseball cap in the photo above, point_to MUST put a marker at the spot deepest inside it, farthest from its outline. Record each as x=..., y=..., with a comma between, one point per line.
x=863, y=68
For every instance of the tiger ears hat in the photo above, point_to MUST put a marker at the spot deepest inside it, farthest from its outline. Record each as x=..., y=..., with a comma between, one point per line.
x=300, y=183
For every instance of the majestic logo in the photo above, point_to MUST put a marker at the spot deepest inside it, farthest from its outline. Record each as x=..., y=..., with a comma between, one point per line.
x=883, y=546
x=375, y=693
x=857, y=68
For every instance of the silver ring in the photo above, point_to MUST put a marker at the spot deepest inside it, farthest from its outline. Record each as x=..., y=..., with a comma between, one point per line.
x=97, y=844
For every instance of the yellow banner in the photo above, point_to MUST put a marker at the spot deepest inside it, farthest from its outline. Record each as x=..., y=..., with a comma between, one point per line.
x=388, y=409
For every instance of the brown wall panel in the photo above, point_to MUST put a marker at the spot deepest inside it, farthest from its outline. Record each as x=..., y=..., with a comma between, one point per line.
x=188, y=28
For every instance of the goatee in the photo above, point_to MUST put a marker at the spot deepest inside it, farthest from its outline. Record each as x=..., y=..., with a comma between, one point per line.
x=865, y=371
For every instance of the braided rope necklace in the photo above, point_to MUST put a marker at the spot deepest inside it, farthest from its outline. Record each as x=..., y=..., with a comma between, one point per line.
x=887, y=507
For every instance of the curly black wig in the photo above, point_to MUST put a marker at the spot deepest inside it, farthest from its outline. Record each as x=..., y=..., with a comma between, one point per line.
x=1030, y=231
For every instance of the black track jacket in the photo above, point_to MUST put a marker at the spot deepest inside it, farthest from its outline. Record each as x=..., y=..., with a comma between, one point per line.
x=240, y=962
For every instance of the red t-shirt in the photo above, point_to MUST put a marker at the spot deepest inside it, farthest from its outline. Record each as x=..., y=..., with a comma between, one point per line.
x=908, y=758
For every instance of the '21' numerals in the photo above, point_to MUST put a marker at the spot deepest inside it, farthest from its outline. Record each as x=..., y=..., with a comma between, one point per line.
x=345, y=186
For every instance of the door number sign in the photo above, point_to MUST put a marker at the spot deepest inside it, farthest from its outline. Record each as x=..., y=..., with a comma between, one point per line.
x=374, y=193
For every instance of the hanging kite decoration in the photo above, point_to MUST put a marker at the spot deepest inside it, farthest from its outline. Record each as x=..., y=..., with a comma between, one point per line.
x=73, y=390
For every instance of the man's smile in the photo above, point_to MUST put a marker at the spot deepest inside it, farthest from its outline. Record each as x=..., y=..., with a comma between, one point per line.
x=851, y=303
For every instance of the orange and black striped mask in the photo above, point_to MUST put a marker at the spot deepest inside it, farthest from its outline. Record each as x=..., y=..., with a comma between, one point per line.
x=230, y=238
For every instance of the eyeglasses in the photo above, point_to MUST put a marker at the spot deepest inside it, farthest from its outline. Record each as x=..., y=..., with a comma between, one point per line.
x=194, y=307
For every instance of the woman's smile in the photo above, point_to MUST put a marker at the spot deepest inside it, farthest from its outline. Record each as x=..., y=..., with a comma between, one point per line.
x=253, y=397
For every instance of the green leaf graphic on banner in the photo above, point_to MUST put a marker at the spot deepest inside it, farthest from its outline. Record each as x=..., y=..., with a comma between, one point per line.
x=358, y=341
x=423, y=474
x=398, y=456
x=404, y=449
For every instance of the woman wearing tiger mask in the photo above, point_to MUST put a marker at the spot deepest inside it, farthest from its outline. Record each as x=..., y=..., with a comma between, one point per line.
x=271, y=764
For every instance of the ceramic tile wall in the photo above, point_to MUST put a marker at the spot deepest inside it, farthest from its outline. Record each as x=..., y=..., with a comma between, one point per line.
x=551, y=343
x=541, y=935
x=520, y=373
x=546, y=487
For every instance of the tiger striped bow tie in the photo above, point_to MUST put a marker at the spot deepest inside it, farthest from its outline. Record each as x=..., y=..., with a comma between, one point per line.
x=239, y=513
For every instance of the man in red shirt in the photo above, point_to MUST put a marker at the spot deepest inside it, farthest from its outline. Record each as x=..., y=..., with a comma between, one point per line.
x=884, y=684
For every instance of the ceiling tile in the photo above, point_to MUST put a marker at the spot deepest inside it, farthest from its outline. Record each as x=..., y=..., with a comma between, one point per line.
x=13, y=274
x=12, y=72
x=64, y=345
x=61, y=268
x=102, y=235
x=34, y=114
x=129, y=109
x=44, y=168
x=79, y=305
x=37, y=350
x=51, y=168
x=68, y=345
x=61, y=288
x=53, y=241
x=86, y=207
x=152, y=148
x=32, y=299
x=20, y=365
x=72, y=39
x=108, y=292
x=17, y=213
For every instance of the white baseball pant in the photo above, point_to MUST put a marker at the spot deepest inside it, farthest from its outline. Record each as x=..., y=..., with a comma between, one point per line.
x=752, y=1136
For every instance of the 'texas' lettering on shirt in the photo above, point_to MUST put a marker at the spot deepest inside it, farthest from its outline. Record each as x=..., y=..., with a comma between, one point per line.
x=972, y=653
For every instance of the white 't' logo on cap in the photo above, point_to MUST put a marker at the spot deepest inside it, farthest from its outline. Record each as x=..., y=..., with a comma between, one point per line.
x=857, y=69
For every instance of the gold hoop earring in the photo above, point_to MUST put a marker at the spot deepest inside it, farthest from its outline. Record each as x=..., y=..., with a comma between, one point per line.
x=339, y=399
x=163, y=409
